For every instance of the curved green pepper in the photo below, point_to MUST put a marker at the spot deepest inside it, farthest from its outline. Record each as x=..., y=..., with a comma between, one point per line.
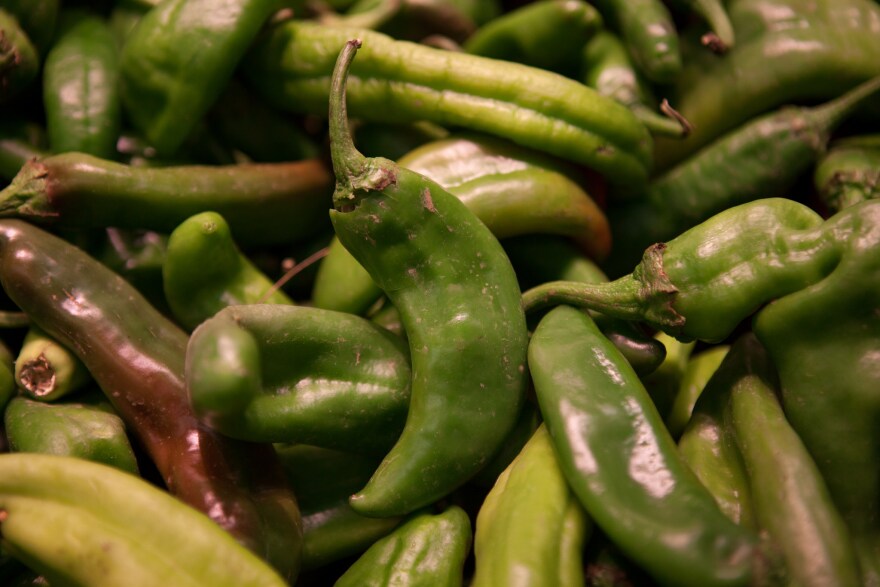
x=849, y=173
x=428, y=550
x=623, y=465
x=178, y=59
x=531, y=528
x=399, y=81
x=80, y=87
x=204, y=272
x=547, y=34
x=298, y=374
x=86, y=430
x=116, y=529
x=265, y=203
x=460, y=306
x=699, y=369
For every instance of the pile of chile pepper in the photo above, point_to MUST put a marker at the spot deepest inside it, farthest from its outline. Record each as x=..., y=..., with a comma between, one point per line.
x=440, y=292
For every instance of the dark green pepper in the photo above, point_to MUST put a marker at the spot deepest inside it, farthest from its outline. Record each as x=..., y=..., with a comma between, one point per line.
x=623, y=465
x=459, y=302
x=298, y=374
x=19, y=61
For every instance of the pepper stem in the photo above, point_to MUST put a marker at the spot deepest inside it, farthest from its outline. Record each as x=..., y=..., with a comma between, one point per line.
x=348, y=162
x=832, y=113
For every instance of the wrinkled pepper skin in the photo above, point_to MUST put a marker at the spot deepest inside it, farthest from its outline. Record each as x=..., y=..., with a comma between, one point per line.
x=849, y=173
x=76, y=429
x=166, y=90
x=82, y=523
x=204, y=271
x=265, y=203
x=703, y=283
x=531, y=528
x=394, y=80
x=136, y=355
x=824, y=342
x=267, y=373
x=459, y=302
x=623, y=465
x=80, y=87
x=428, y=550
x=791, y=499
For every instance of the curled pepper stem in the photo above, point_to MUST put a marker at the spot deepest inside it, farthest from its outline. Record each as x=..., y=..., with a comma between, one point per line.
x=348, y=162
x=647, y=295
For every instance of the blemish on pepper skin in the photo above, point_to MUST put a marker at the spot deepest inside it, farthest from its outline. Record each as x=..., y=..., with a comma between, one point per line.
x=427, y=201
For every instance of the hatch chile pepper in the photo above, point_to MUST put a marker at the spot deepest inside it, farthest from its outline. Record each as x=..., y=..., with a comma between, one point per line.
x=165, y=90
x=621, y=462
x=136, y=355
x=84, y=429
x=83, y=523
x=849, y=172
x=45, y=369
x=399, y=81
x=763, y=158
x=265, y=203
x=531, y=528
x=459, y=302
x=790, y=497
x=428, y=550
x=204, y=272
x=80, y=87
x=269, y=373
x=19, y=61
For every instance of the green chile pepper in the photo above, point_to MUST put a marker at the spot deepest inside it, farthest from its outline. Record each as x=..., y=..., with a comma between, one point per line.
x=414, y=20
x=703, y=283
x=322, y=480
x=765, y=157
x=428, y=550
x=531, y=528
x=136, y=355
x=138, y=256
x=84, y=429
x=117, y=529
x=623, y=465
x=204, y=272
x=512, y=190
x=7, y=375
x=787, y=51
x=80, y=87
x=178, y=59
x=528, y=421
x=265, y=203
x=663, y=384
x=19, y=61
x=46, y=370
x=721, y=37
x=607, y=67
x=649, y=33
x=700, y=368
x=37, y=17
x=395, y=80
x=790, y=497
x=823, y=341
x=848, y=174
x=459, y=302
x=547, y=34
x=20, y=141
x=393, y=141
x=297, y=374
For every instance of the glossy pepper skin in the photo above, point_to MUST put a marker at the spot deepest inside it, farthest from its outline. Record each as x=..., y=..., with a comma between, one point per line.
x=548, y=34
x=80, y=87
x=267, y=373
x=136, y=356
x=165, y=90
x=204, y=271
x=823, y=341
x=394, y=80
x=762, y=158
x=703, y=283
x=82, y=523
x=268, y=203
x=623, y=465
x=791, y=499
x=787, y=51
x=76, y=429
x=428, y=550
x=459, y=302
x=531, y=528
